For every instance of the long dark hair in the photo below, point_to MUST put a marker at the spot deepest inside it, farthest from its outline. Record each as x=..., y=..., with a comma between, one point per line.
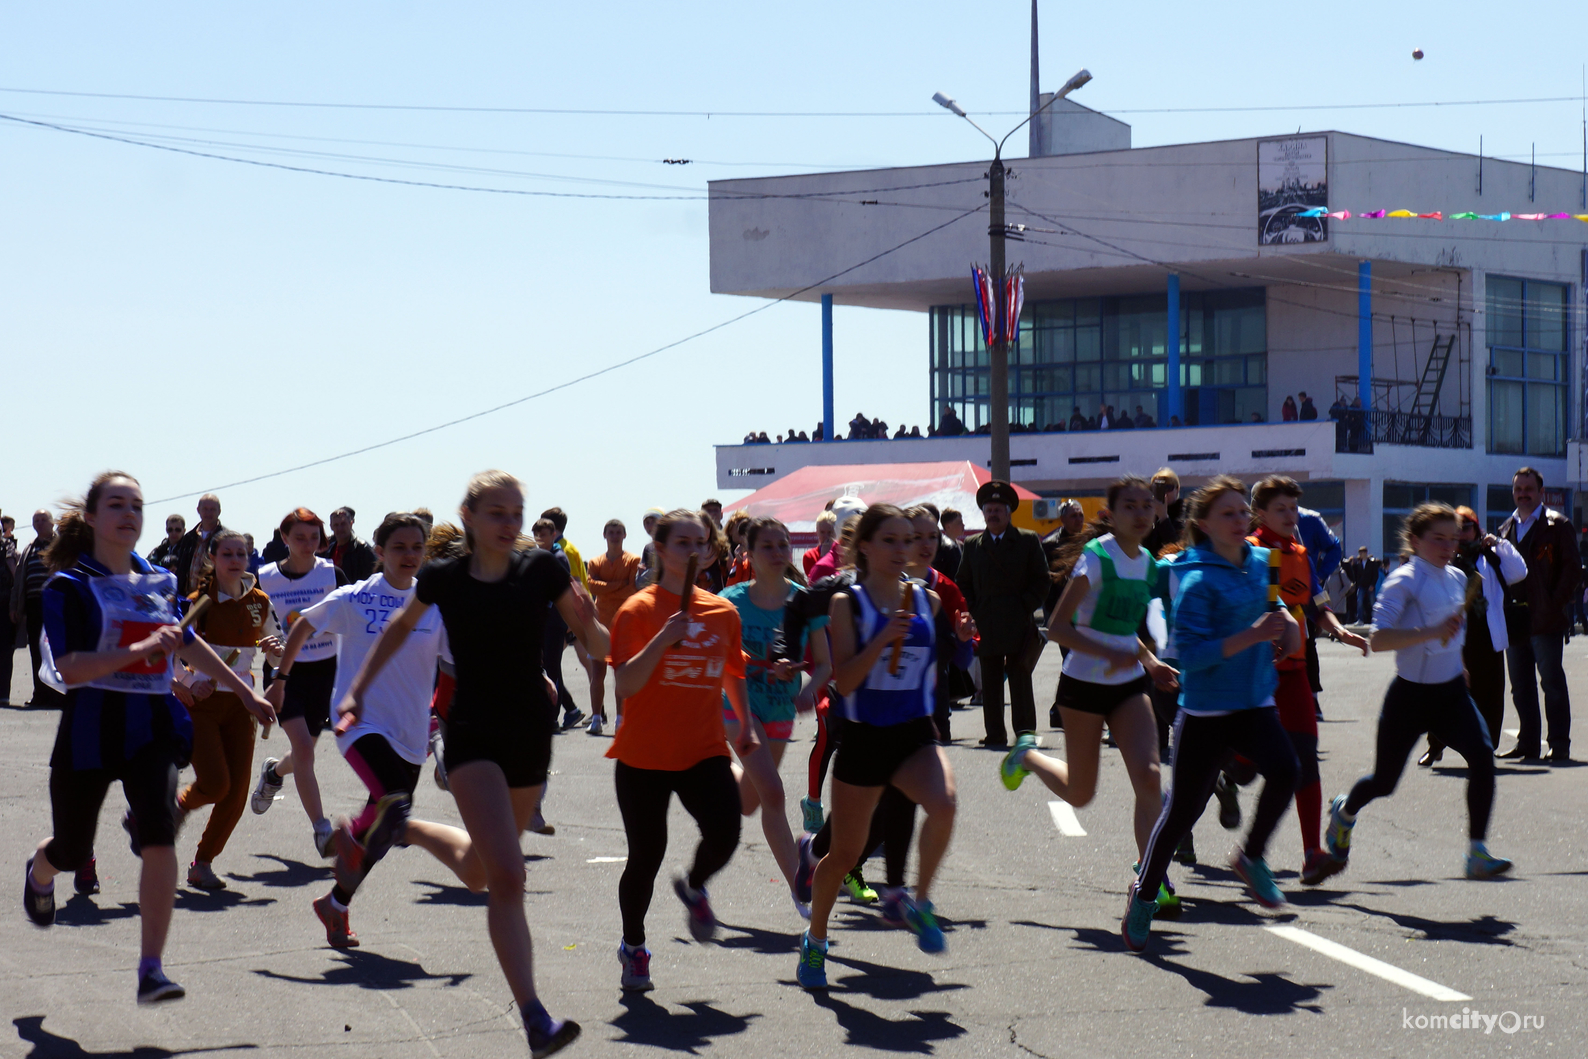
x=1100, y=526
x=208, y=585
x=74, y=537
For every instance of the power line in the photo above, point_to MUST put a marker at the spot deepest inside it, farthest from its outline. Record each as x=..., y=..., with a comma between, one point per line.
x=582, y=378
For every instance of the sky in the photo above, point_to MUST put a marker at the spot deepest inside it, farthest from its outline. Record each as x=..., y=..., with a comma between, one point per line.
x=198, y=322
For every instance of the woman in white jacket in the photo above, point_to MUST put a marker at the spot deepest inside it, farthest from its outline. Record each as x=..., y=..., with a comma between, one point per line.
x=1499, y=564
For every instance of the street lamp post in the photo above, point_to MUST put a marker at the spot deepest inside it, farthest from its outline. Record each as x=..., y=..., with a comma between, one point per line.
x=998, y=352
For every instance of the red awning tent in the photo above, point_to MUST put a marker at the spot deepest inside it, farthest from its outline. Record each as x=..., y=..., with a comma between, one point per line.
x=796, y=499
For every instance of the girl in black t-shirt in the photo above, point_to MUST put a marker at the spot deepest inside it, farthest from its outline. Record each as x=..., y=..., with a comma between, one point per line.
x=494, y=601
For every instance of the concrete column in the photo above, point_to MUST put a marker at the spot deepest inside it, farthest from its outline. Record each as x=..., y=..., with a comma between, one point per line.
x=1480, y=364
x=1364, y=333
x=1364, y=515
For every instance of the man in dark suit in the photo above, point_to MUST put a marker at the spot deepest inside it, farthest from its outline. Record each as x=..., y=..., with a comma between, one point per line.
x=1004, y=577
x=1536, y=618
x=1363, y=572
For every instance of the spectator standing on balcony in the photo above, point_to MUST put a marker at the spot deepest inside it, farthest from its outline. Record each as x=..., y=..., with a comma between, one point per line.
x=1536, y=618
x=1077, y=420
x=1004, y=578
x=1101, y=422
x=948, y=424
x=1143, y=420
x=1287, y=411
x=1309, y=411
x=1121, y=420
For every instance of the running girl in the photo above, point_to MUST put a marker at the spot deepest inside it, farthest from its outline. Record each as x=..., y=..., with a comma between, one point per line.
x=1108, y=672
x=1223, y=631
x=1421, y=616
x=111, y=630
x=773, y=686
x=674, y=660
x=237, y=623
x=494, y=601
x=302, y=689
x=888, y=735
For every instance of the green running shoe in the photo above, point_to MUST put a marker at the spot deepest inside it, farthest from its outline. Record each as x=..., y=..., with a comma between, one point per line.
x=1168, y=902
x=855, y=886
x=1337, y=836
x=1135, y=926
x=1010, y=770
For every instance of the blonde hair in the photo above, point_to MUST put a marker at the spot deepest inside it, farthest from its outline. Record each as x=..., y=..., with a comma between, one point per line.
x=826, y=518
x=478, y=486
x=1422, y=519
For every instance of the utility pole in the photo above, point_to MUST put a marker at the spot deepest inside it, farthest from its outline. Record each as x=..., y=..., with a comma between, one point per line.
x=998, y=355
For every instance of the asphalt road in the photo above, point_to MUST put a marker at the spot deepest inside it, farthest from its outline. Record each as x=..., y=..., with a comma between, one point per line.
x=1034, y=965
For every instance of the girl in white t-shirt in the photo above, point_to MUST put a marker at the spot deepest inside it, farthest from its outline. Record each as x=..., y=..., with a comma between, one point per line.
x=1109, y=670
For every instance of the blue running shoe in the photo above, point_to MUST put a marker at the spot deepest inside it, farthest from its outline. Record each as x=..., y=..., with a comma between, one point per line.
x=812, y=970
x=1481, y=864
x=154, y=987
x=1259, y=879
x=1135, y=926
x=1337, y=836
x=921, y=918
x=811, y=810
x=636, y=968
x=1012, y=770
x=805, y=871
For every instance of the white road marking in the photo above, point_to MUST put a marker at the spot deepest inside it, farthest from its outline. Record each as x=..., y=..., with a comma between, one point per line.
x=606, y=860
x=1388, y=972
x=1064, y=819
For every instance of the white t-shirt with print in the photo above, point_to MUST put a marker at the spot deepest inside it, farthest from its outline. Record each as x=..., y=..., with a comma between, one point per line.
x=1079, y=665
x=397, y=704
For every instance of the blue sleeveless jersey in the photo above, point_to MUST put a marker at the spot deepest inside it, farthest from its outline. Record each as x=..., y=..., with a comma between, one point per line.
x=884, y=698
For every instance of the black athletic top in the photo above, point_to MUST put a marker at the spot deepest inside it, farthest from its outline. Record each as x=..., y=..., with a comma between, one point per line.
x=495, y=630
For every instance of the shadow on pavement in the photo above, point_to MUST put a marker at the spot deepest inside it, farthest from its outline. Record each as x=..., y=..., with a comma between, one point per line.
x=1263, y=993
x=290, y=873
x=870, y=1030
x=887, y=983
x=765, y=942
x=461, y=896
x=47, y=1045
x=81, y=911
x=1482, y=930
x=370, y=970
x=644, y=1021
x=193, y=900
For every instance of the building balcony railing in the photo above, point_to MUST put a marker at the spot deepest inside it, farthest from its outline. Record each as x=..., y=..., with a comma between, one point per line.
x=1357, y=430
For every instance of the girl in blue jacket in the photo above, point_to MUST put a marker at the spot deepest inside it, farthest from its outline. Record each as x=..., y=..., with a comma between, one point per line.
x=1225, y=635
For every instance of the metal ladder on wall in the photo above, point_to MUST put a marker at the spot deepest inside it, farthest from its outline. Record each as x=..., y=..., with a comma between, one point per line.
x=1426, y=399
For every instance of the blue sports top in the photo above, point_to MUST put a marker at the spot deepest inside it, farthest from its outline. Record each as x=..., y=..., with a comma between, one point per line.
x=107, y=721
x=885, y=698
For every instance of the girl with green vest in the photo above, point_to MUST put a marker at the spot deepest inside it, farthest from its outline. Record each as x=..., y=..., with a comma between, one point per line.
x=1108, y=671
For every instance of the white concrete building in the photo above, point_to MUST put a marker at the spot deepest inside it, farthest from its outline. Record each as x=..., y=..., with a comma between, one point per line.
x=1473, y=330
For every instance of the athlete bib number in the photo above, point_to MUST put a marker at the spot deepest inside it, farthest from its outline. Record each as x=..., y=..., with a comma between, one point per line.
x=131, y=607
x=913, y=662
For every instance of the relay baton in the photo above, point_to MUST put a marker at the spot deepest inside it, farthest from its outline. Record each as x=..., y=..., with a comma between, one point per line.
x=689, y=584
x=196, y=611
x=898, y=645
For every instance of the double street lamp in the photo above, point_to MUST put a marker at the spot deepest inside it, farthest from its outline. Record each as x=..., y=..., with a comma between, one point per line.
x=999, y=350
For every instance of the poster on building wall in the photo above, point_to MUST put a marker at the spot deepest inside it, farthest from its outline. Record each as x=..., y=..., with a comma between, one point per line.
x=1292, y=176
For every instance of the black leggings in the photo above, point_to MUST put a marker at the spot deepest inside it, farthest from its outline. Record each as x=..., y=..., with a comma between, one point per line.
x=149, y=780
x=1447, y=711
x=892, y=827
x=1202, y=746
x=708, y=792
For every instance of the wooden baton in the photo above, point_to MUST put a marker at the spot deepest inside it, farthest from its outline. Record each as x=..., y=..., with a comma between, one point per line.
x=196, y=611
x=688, y=591
x=898, y=645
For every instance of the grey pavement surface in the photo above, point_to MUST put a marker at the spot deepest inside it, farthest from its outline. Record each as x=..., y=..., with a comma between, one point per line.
x=1034, y=965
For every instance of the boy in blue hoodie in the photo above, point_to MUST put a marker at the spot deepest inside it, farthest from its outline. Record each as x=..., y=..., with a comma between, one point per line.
x=1225, y=634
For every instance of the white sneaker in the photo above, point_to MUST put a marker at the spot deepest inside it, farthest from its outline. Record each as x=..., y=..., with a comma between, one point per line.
x=265, y=792
x=438, y=751
x=595, y=725
x=324, y=839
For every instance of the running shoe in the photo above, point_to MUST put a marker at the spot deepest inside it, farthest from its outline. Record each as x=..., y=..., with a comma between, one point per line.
x=1229, y=803
x=595, y=725
x=349, y=866
x=1337, y=836
x=154, y=986
x=636, y=968
x=129, y=824
x=86, y=879
x=811, y=973
x=388, y=827
x=1012, y=769
x=855, y=886
x=800, y=907
x=697, y=905
x=811, y=810
x=553, y=1039
x=338, y=933
x=1430, y=758
x=921, y=918
x=540, y=827
x=894, y=898
x=325, y=840
x=805, y=871
x=202, y=876
x=1186, y=851
x=572, y=718
x=1481, y=864
x=438, y=750
x=38, y=904
x=1135, y=926
x=265, y=791
x=1259, y=879
x=1168, y=902
x=1319, y=865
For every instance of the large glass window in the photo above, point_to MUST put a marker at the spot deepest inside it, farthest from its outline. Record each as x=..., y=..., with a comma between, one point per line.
x=1400, y=498
x=1083, y=354
x=1528, y=366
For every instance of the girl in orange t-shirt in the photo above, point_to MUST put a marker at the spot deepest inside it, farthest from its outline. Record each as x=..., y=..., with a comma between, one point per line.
x=673, y=663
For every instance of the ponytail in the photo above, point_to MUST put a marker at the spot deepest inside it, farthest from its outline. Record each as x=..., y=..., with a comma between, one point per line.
x=74, y=537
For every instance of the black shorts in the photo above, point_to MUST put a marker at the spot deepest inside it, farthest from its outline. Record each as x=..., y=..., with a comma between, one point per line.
x=308, y=694
x=149, y=781
x=869, y=755
x=383, y=770
x=515, y=740
x=1101, y=699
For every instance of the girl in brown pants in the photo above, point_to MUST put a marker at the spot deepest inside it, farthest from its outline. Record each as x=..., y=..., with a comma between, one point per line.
x=238, y=622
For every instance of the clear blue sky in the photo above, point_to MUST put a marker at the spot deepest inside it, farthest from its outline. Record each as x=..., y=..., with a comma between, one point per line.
x=197, y=322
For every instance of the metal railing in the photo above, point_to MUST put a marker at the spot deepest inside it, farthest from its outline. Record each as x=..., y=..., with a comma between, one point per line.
x=1357, y=430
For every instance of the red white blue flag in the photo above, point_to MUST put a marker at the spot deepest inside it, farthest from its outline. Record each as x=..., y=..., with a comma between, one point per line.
x=1013, y=297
